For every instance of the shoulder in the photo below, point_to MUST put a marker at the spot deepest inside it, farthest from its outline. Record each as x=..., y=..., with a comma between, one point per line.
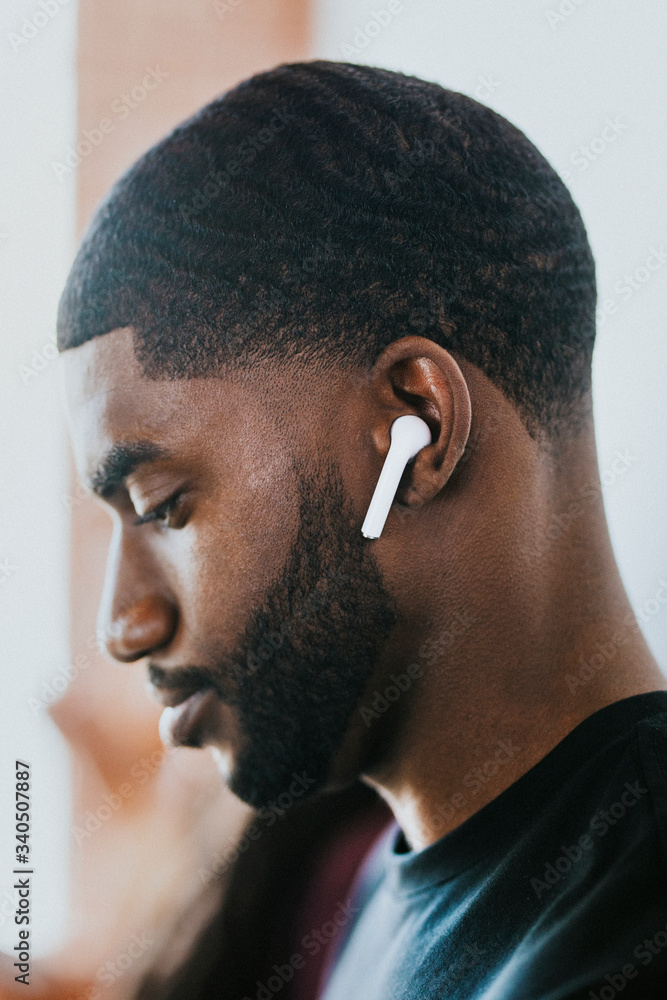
x=651, y=735
x=604, y=928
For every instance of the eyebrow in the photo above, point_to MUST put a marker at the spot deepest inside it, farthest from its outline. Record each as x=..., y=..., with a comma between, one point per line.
x=120, y=461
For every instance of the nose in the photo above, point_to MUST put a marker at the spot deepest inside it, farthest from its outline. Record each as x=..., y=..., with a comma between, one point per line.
x=139, y=629
x=137, y=615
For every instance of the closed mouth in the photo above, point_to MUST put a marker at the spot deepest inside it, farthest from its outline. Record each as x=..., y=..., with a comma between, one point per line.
x=184, y=720
x=172, y=696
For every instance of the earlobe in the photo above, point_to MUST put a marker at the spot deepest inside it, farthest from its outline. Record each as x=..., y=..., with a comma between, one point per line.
x=415, y=375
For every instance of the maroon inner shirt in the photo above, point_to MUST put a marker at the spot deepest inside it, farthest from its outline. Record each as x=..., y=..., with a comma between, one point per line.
x=328, y=891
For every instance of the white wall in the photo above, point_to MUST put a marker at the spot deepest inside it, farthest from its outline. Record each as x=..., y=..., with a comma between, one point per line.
x=37, y=117
x=559, y=69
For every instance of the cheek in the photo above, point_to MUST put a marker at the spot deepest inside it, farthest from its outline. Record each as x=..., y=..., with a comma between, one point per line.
x=236, y=548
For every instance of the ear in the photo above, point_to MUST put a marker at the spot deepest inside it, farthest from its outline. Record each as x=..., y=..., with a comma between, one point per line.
x=416, y=375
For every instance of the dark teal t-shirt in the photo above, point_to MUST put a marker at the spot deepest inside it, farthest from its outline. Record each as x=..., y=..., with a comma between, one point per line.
x=555, y=890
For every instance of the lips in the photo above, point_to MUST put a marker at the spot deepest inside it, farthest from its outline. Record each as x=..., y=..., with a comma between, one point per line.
x=183, y=721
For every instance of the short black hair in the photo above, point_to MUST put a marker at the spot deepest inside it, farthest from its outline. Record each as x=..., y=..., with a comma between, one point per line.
x=324, y=209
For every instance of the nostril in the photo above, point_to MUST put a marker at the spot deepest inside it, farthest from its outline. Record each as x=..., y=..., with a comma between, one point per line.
x=137, y=631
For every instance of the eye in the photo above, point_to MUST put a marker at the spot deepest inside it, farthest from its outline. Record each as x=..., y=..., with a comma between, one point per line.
x=164, y=513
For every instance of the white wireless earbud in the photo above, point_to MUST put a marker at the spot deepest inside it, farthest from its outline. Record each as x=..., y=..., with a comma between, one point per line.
x=409, y=434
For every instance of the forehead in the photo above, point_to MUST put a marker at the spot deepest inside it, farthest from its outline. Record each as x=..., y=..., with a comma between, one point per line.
x=109, y=402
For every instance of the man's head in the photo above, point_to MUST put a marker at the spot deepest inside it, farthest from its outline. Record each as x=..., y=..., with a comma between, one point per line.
x=320, y=250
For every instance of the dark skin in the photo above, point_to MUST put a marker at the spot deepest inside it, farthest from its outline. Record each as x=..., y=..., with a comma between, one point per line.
x=495, y=609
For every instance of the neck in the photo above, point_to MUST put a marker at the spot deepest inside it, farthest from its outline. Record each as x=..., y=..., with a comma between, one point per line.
x=537, y=640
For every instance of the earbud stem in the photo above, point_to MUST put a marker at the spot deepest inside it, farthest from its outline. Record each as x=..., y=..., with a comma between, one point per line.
x=409, y=434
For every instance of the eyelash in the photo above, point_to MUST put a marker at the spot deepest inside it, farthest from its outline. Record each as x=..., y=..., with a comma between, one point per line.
x=155, y=515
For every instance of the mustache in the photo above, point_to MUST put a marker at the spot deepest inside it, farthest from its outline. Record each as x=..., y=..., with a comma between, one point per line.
x=189, y=677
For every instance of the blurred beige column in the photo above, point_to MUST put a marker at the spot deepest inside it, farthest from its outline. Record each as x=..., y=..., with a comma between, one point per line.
x=145, y=825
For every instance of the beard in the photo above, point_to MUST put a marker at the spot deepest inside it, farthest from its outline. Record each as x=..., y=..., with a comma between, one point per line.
x=308, y=653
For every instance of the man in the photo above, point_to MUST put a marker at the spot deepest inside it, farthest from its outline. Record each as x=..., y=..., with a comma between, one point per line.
x=320, y=251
